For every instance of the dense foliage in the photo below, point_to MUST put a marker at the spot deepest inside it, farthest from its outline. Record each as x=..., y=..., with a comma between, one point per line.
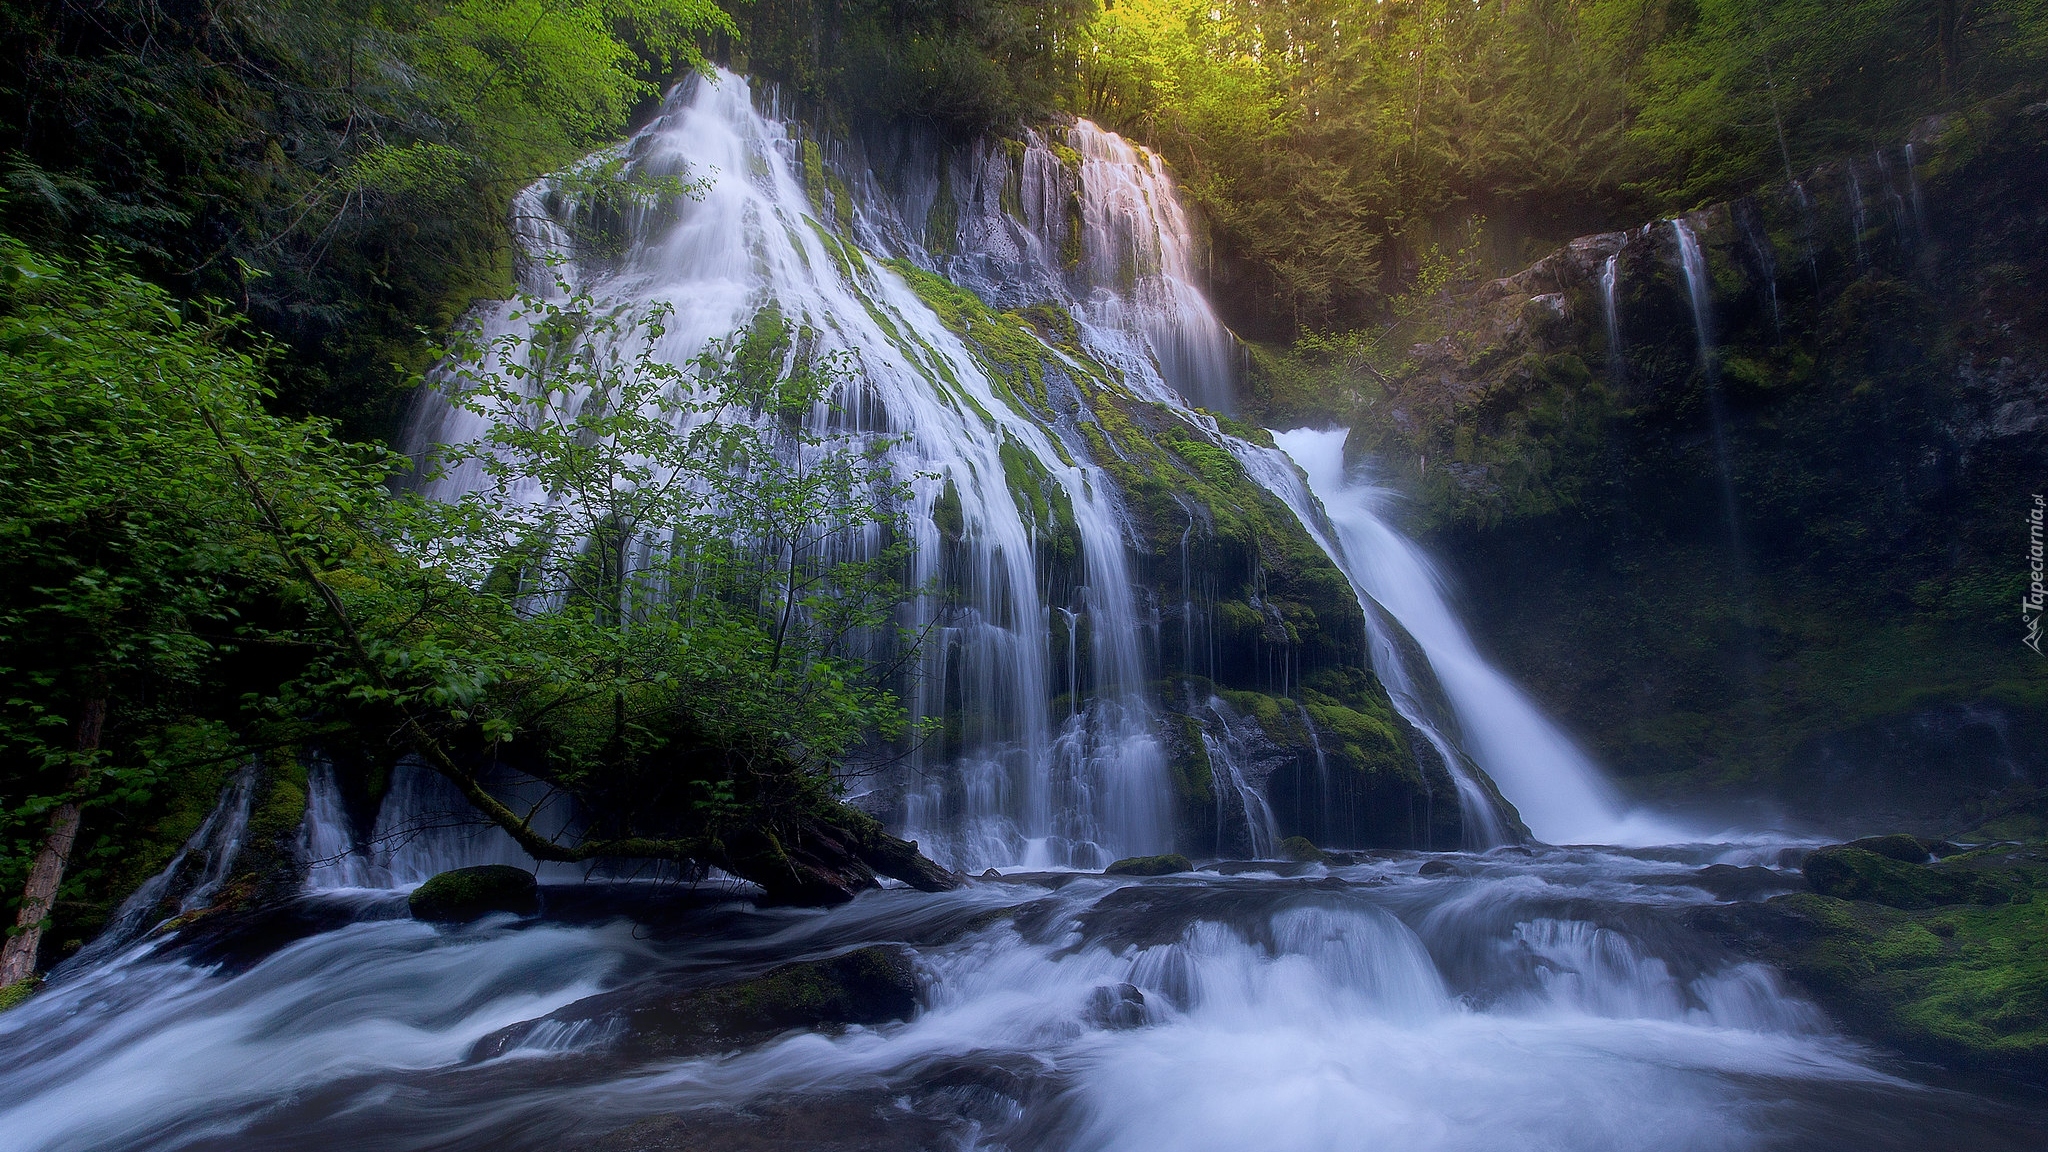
x=1336, y=143
x=224, y=583
x=341, y=171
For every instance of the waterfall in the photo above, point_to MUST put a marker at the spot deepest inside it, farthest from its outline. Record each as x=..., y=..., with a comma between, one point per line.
x=1094, y=224
x=1280, y=471
x=192, y=878
x=1699, y=292
x=1698, y=289
x=1610, y=312
x=1139, y=266
x=1913, y=187
x=1010, y=784
x=1557, y=789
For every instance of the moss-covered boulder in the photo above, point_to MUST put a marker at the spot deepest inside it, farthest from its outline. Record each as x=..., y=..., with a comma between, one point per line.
x=871, y=985
x=1165, y=865
x=467, y=893
x=1852, y=872
x=1303, y=850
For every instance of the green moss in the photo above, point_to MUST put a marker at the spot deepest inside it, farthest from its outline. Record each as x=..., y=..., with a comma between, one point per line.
x=467, y=893
x=1966, y=985
x=814, y=177
x=947, y=514
x=1193, y=777
x=942, y=219
x=19, y=992
x=1302, y=849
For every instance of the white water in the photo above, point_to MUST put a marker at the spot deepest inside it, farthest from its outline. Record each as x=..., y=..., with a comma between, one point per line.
x=1556, y=788
x=1610, y=313
x=1547, y=1002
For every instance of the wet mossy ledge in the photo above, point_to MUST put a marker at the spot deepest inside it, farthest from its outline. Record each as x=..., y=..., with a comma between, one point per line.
x=1946, y=960
x=1261, y=641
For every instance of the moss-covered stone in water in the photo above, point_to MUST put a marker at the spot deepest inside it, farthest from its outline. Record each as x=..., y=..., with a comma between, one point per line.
x=467, y=893
x=1302, y=849
x=1165, y=865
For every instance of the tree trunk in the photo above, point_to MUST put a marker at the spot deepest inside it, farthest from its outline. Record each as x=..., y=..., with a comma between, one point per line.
x=18, y=958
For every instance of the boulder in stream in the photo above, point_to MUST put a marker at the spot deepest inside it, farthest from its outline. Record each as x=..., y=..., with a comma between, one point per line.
x=467, y=893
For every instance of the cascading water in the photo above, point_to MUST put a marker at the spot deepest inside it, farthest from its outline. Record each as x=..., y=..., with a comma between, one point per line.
x=1558, y=791
x=1610, y=315
x=1280, y=472
x=1699, y=294
x=1532, y=997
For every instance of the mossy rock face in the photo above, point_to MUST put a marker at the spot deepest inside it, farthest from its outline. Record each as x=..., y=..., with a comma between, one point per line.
x=467, y=893
x=868, y=986
x=1165, y=865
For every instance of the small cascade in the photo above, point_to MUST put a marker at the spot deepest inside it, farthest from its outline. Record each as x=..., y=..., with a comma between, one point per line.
x=1808, y=227
x=1857, y=219
x=1559, y=792
x=1138, y=266
x=1758, y=238
x=1913, y=190
x=192, y=879
x=1228, y=745
x=424, y=827
x=1610, y=312
x=1699, y=290
x=1904, y=230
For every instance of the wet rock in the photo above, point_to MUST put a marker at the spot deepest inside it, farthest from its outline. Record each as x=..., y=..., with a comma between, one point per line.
x=1117, y=1006
x=1439, y=868
x=467, y=893
x=654, y=1020
x=1728, y=882
x=1150, y=865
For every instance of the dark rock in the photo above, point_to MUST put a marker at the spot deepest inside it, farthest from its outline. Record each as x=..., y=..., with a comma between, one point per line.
x=652, y=1020
x=467, y=893
x=1150, y=865
x=838, y=1122
x=1728, y=882
x=1439, y=868
x=1117, y=1006
x=1276, y=867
